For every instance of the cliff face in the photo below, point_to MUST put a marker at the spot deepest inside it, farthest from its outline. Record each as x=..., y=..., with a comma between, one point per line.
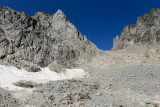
x=41, y=39
x=146, y=31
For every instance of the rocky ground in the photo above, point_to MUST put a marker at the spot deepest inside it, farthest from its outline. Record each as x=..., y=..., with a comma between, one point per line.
x=124, y=83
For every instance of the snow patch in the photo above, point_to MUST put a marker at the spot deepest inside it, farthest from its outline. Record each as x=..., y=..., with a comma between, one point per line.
x=10, y=75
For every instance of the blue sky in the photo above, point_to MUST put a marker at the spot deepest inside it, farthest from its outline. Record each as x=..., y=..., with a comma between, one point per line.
x=100, y=20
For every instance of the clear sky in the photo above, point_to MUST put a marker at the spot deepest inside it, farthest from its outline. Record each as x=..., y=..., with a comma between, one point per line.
x=99, y=20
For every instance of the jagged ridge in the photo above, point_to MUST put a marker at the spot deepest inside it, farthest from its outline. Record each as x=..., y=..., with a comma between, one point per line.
x=145, y=32
x=41, y=39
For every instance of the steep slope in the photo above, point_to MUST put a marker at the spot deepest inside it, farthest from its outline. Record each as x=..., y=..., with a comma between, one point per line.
x=145, y=32
x=32, y=42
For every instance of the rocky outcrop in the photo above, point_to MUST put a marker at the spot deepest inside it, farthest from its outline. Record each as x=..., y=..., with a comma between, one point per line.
x=41, y=39
x=145, y=32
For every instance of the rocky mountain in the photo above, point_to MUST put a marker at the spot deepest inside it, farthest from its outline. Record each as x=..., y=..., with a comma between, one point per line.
x=126, y=77
x=44, y=39
x=145, y=32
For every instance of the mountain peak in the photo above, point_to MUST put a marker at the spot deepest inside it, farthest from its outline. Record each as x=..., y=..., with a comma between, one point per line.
x=145, y=32
x=59, y=11
x=41, y=40
x=60, y=15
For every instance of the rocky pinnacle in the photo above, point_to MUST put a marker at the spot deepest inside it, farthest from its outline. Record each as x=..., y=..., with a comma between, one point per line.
x=145, y=32
x=41, y=40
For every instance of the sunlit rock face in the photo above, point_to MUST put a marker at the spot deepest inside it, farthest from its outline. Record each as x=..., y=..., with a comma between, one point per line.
x=145, y=32
x=32, y=42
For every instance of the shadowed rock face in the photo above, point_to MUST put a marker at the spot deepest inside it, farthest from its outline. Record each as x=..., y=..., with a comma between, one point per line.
x=146, y=31
x=41, y=39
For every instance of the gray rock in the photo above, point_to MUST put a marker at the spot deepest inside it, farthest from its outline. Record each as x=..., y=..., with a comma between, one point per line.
x=145, y=32
x=56, y=67
x=63, y=94
x=7, y=100
x=42, y=39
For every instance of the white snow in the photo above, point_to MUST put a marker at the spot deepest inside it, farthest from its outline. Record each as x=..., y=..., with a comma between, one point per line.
x=10, y=75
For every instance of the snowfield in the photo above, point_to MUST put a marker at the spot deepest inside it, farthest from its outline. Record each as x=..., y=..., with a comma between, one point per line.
x=10, y=75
